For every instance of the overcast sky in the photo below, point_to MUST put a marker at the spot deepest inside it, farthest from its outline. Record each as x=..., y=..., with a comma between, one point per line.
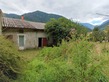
x=79, y=10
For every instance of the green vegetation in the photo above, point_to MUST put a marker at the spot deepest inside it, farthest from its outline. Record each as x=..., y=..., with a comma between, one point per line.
x=98, y=35
x=9, y=61
x=104, y=25
x=78, y=61
x=37, y=16
x=63, y=28
x=74, y=60
x=107, y=34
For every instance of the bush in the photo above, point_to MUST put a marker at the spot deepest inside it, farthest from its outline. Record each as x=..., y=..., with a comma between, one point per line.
x=71, y=62
x=9, y=61
x=86, y=67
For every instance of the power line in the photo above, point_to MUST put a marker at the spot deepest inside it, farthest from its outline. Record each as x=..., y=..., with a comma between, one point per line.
x=102, y=14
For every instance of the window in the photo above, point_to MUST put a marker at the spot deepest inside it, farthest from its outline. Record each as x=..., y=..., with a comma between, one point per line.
x=21, y=41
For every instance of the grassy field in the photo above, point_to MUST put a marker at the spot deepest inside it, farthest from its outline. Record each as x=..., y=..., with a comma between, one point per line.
x=73, y=61
x=53, y=64
x=102, y=51
x=29, y=55
x=100, y=48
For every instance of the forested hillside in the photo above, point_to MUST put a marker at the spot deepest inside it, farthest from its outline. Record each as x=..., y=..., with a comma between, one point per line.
x=104, y=25
x=37, y=16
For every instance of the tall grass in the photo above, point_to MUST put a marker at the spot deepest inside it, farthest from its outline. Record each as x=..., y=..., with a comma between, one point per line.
x=71, y=62
x=9, y=61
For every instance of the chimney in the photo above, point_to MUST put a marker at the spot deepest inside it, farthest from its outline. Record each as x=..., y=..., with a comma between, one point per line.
x=22, y=17
x=1, y=14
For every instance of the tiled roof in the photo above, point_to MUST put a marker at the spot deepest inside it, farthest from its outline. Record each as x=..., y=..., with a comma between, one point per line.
x=38, y=25
x=18, y=23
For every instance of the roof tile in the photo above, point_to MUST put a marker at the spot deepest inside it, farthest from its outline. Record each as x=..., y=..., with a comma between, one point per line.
x=18, y=23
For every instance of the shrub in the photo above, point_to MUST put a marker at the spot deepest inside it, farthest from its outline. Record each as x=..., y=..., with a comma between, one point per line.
x=9, y=61
x=71, y=62
x=86, y=66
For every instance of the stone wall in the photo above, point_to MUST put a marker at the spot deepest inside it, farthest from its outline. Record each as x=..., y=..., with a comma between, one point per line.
x=31, y=37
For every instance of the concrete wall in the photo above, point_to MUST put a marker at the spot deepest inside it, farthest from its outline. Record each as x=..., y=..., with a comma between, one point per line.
x=31, y=37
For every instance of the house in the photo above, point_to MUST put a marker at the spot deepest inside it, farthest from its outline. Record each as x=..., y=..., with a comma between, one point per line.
x=25, y=34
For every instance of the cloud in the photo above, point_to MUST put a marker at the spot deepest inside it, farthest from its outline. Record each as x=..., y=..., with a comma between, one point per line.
x=97, y=21
x=82, y=10
x=11, y=7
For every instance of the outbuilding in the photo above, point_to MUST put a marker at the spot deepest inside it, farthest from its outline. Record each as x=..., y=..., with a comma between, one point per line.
x=25, y=34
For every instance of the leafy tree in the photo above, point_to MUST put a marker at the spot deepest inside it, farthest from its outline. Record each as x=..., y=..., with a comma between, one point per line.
x=96, y=29
x=98, y=35
x=107, y=33
x=107, y=36
x=58, y=29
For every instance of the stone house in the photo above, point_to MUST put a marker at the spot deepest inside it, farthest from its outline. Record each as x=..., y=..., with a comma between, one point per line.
x=25, y=34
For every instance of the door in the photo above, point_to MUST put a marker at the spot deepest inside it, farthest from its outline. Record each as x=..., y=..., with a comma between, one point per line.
x=21, y=41
x=44, y=41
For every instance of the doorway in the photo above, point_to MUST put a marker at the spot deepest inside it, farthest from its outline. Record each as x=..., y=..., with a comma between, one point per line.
x=42, y=42
x=39, y=42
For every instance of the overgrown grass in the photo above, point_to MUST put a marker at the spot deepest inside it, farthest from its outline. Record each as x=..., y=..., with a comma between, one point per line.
x=10, y=61
x=29, y=54
x=79, y=61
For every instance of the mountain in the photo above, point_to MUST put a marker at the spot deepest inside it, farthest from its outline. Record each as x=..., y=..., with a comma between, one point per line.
x=40, y=16
x=90, y=26
x=37, y=16
x=12, y=16
x=104, y=25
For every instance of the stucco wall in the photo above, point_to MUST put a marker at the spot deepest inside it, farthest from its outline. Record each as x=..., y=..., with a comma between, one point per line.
x=31, y=37
x=30, y=41
x=14, y=34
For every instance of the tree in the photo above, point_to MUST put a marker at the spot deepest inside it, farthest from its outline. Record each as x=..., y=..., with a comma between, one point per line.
x=58, y=29
x=98, y=35
x=107, y=35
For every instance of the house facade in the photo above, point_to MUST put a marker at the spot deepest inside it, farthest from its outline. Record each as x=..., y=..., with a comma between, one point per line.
x=25, y=34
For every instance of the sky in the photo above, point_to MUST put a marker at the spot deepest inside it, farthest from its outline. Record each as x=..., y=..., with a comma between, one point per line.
x=77, y=10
